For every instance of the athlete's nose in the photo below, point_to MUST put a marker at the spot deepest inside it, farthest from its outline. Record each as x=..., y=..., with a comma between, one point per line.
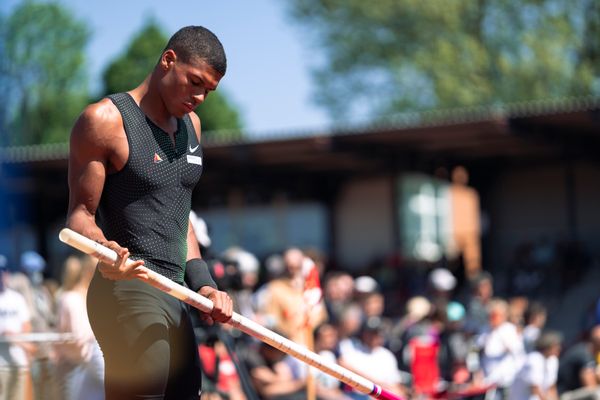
x=199, y=98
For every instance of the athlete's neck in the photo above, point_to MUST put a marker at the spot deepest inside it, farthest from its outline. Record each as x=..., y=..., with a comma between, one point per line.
x=148, y=98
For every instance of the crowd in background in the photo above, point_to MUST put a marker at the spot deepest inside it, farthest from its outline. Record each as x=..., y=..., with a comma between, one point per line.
x=422, y=332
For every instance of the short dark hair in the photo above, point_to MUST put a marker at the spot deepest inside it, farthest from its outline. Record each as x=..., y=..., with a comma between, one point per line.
x=547, y=340
x=197, y=41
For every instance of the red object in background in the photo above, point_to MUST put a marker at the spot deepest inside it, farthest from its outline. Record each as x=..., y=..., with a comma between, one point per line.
x=226, y=375
x=424, y=364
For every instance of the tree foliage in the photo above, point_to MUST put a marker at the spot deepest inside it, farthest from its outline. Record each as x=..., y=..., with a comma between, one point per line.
x=131, y=68
x=43, y=79
x=382, y=57
x=143, y=52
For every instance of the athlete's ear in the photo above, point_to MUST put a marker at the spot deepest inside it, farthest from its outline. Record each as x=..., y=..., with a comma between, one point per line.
x=167, y=59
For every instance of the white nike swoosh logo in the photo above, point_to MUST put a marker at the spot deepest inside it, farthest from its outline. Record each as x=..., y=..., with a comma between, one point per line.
x=193, y=149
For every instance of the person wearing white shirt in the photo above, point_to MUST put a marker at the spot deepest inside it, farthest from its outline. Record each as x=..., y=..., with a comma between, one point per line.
x=536, y=380
x=368, y=357
x=14, y=358
x=502, y=347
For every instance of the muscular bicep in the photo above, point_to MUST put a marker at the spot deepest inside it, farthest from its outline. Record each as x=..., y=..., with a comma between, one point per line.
x=88, y=155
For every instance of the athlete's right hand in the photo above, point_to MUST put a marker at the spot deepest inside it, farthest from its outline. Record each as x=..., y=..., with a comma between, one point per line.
x=121, y=269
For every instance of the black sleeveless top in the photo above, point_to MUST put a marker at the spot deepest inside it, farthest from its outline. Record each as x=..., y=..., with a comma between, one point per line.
x=145, y=206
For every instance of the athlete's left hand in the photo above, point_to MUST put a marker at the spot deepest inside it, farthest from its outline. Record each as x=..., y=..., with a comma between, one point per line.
x=222, y=305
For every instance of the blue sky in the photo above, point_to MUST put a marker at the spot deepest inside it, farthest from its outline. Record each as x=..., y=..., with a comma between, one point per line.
x=268, y=64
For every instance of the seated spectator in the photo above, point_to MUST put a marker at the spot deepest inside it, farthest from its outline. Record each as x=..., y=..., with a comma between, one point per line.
x=536, y=380
x=578, y=365
x=327, y=346
x=366, y=356
x=272, y=375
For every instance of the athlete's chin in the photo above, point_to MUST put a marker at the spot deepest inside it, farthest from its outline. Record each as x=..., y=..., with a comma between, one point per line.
x=179, y=113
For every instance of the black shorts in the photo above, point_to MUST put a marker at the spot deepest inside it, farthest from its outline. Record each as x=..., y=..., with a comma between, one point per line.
x=147, y=339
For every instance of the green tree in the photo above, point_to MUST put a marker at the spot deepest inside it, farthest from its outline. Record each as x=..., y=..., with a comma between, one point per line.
x=43, y=84
x=131, y=68
x=217, y=113
x=382, y=57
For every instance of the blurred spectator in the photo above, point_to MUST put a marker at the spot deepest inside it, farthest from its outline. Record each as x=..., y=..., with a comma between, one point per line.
x=284, y=302
x=441, y=284
x=502, y=350
x=578, y=365
x=517, y=306
x=80, y=366
x=535, y=320
x=536, y=380
x=15, y=318
x=466, y=218
x=364, y=285
x=418, y=308
x=366, y=355
x=373, y=304
x=235, y=271
x=274, y=269
x=29, y=282
x=220, y=379
x=247, y=267
x=477, y=308
x=327, y=346
x=338, y=291
x=271, y=375
x=454, y=345
x=350, y=321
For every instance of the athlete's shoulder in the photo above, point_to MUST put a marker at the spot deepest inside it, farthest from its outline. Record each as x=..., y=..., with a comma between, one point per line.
x=196, y=123
x=98, y=126
x=98, y=120
x=102, y=113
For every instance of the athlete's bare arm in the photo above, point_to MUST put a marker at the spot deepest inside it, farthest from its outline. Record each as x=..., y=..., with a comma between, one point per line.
x=98, y=146
x=223, y=305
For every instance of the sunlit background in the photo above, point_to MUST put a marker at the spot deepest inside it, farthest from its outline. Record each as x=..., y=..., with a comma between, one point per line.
x=392, y=137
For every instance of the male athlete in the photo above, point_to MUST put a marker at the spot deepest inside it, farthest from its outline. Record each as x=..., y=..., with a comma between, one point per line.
x=134, y=161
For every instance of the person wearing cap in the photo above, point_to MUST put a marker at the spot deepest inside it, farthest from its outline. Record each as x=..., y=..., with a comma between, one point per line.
x=29, y=282
x=442, y=281
x=454, y=346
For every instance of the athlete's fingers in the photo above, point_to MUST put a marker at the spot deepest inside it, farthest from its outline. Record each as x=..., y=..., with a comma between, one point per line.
x=121, y=269
x=222, y=306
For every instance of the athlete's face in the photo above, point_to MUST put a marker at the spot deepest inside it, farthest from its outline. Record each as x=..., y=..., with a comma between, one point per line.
x=186, y=85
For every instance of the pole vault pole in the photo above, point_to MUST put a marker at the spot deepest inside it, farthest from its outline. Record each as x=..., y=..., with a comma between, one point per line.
x=238, y=321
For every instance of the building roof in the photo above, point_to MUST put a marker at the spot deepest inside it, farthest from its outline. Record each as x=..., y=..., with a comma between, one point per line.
x=536, y=128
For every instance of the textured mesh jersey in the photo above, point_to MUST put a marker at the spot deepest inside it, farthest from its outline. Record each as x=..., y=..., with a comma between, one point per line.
x=145, y=206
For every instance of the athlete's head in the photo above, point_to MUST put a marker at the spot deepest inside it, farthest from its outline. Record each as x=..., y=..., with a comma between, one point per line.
x=189, y=68
x=193, y=42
